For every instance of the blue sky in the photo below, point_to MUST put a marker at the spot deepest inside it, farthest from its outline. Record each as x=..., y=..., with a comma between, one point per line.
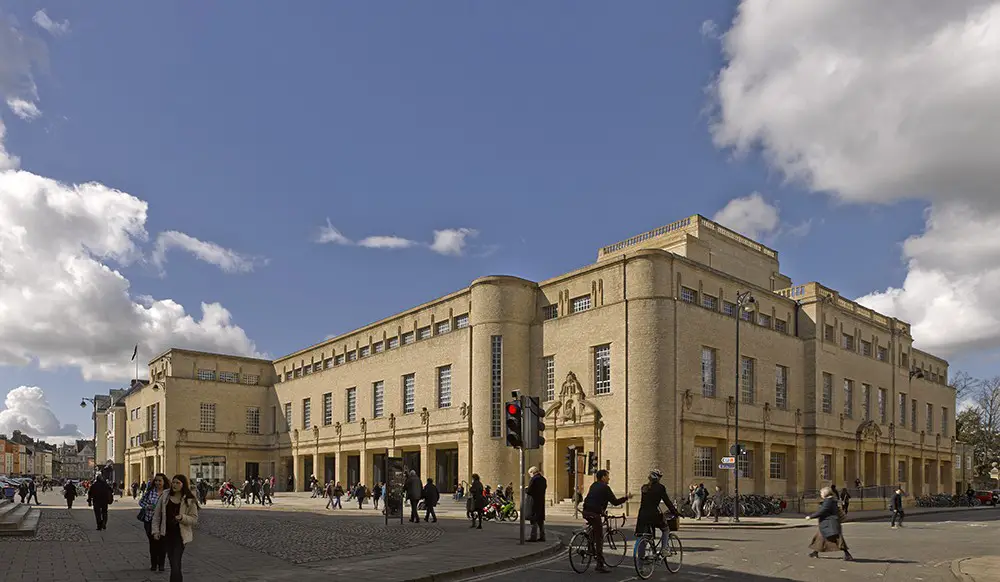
x=550, y=128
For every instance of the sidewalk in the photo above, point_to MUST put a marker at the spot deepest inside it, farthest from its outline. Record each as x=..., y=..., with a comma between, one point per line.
x=985, y=569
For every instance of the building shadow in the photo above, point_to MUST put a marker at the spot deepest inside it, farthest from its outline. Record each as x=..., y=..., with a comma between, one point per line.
x=714, y=573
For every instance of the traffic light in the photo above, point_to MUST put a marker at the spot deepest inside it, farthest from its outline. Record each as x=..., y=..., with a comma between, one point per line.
x=514, y=421
x=591, y=463
x=571, y=461
x=534, y=414
x=737, y=450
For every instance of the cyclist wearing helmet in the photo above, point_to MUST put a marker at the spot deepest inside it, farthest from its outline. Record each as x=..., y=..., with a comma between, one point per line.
x=649, y=516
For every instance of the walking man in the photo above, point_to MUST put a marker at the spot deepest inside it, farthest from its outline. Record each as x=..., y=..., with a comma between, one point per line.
x=431, y=496
x=33, y=492
x=414, y=491
x=845, y=499
x=100, y=496
x=896, y=506
x=536, y=493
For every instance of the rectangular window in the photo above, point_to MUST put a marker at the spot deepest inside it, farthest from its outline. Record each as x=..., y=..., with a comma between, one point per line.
x=409, y=393
x=781, y=388
x=729, y=308
x=393, y=343
x=709, y=302
x=408, y=338
x=462, y=321
x=229, y=377
x=378, y=347
x=901, y=472
x=306, y=413
x=251, y=379
x=424, y=333
x=901, y=405
x=704, y=462
x=708, y=368
x=828, y=332
x=298, y=372
x=444, y=387
x=744, y=465
x=352, y=404
x=929, y=414
x=866, y=348
x=253, y=420
x=339, y=359
x=442, y=327
x=549, y=377
x=581, y=304
x=847, y=342
x=689, y=295
x=208, y=375
x=308, y=369
x=778, y=461
x=288, y=415
x=207, y=423
x=944, y=421
x=913, y=414
x=848, y=398
x=365, y=351
x=825, y=468
x=780, y=325
x=904, y=360
x=747, y=383
x=496, y=384
x=866, y=402
x=881, y=354
x=746, y=315
x=550, y=311
x=352, y=355
x=328, y=363
x=602, y=369
x=328, y=409
x=378, y=399
x=764, y=320
x=882, y=412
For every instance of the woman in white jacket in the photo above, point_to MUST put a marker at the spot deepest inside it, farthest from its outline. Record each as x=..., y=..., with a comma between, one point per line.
x=174, y=518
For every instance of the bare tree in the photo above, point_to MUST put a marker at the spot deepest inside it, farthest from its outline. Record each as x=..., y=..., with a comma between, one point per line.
x=964, y=385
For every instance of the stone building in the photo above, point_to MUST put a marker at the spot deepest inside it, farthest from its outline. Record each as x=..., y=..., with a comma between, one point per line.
x=634, y=357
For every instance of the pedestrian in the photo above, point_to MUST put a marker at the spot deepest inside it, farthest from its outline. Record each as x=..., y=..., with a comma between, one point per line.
x=718, y=502
x=431, y=497
x=477, y=501
x=359, y=494
x=896, y=507
x=135, y=489
x=535, y=494
x=377, y=494
x=69, y=492
x=845, y=499
x=33, y=492
x=100, y=495
x=414, y=491
x=266, y=486
x=700, y=495
x=157, y=549
x=577, y=500
x=328, y=493
x=174, y=518
x=22, y=490
x=291, y=483
x=338, y=492
x=830, y=537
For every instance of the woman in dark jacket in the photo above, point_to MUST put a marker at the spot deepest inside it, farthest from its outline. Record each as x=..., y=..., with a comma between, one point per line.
x=69, y=492
x=535, y=492
x=829, y=538
x=650, y=517
x=477, y=499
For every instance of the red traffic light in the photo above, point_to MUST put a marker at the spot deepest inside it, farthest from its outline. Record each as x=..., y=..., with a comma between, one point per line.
x=513, y=409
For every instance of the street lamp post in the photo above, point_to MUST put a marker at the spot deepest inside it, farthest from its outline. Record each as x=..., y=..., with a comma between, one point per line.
x=744, y=302
x=83, y=404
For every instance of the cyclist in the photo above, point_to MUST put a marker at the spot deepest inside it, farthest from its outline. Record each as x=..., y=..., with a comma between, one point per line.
x=594, y=507
x=649, y=516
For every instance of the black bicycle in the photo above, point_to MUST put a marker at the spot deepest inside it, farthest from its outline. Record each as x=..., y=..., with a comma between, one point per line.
x=648, y=553
x=582, y=551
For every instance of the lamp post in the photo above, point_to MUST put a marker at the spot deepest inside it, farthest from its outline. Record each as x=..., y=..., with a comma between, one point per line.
x=83, y=404
x=744, y=302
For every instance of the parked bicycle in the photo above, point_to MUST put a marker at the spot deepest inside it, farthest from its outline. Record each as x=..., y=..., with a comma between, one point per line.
x=582, y=550
x=648, y=552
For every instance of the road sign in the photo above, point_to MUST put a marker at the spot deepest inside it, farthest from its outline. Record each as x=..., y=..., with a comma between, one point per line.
x=727, y=466
x=728, y=460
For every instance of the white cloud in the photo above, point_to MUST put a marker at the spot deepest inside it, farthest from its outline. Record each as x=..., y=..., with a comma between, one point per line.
x=386, y=242
x=26, y=110
x=875, y=102
x=27, y=410
x=55, y=28
x=709, y=29
x=228, y=260
x=452, y=241
x=751, y=216
x=329, y=234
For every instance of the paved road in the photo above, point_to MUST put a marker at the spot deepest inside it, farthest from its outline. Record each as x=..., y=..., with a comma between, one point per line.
x=921, y=552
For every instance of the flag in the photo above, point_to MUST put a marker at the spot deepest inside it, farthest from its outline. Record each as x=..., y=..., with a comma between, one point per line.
x=135, y=352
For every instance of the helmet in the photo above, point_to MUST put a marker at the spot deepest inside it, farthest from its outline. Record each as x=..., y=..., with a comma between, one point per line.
x=655, y=474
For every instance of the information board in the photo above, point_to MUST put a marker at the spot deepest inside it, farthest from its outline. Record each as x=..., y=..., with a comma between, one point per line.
x=395, y=479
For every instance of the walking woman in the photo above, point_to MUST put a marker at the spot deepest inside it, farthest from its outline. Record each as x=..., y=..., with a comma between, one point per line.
x=830, y=537
x=157, y=550
x=477, y=501
x=174, y=518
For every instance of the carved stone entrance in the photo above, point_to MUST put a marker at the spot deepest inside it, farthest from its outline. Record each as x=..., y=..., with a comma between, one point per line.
x=570, y=420
x=868, y=432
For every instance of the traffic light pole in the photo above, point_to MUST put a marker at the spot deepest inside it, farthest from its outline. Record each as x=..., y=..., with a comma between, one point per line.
x=523, y=496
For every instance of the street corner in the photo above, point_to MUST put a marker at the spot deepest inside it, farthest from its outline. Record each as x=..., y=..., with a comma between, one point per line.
x=977, y=569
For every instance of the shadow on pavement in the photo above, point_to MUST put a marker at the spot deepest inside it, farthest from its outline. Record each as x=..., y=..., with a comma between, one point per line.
x=887, y=561
x=708, y=572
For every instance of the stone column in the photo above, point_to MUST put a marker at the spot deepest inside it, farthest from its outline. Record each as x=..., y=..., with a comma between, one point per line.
x=427, y=464
x=318, y=468
x=340, y=467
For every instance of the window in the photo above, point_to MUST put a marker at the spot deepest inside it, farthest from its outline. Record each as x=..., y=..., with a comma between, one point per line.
x=781, y=390
x=307, y=370
x=339, y=359
x=847, y=342
x=409, y=394
x=901, y=472
x=828, y=332
x=229, y=377
x=764, y=320
x=929, y=414
x=848, y=398
x=328, y=363
x=378, y=399
x=298, y=372
x=207, y=423
x=689, y=295
x=729, y=308
x=777, y=465
x=944, y=421
x=866, y=402
x=496, y=384
x=825, y=468
x=408, y=338
x=442, y=327
x=393, y=343
x=206, y=375
x=352, y=355
x=462, y=321
x=328, y=409
x=746, y=380
x=881, y=354
x=352, y=404
x=744, y=465
x=913, y=414
x=253, y=420
x=306, y=412
x=602, y=369
x=882, y=412
x=780, y=325
x=365, y=351
x=866, y=348
x=424, y=333
x=549, y=377
x=704, y=461
x=378, y=347
x=288, y=415
x=958, y=461
x=580, y=304
x=550, y=311
x=709, y=302
x=444, y=387
x=251, y=379
x=746, y=315
x=902, y=409
x=904, y=360
x=708, y=372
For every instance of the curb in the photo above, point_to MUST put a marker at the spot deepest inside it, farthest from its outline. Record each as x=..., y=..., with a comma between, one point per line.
x=497, y=566
x=956, y=571
x=689, y=526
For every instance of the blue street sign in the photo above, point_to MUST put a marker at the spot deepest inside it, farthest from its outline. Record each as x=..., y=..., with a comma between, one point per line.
x=727, y=466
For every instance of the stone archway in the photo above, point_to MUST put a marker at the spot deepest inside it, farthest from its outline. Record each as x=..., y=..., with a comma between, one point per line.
x=570, y=420
x=868, y=432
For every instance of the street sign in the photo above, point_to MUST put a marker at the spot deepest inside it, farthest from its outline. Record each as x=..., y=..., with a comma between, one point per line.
x=728, y=460
x=727, y=466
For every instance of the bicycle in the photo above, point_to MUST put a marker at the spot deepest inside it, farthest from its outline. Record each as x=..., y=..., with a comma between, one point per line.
x=581, y=550
x=232, y=500
x=648, y=552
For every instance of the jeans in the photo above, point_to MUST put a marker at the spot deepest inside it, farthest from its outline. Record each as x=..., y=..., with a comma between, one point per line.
x=897, y=515
x=696, y=506
x=175, y=551
x=101, y=514
x=596, y=535
x=157, y=549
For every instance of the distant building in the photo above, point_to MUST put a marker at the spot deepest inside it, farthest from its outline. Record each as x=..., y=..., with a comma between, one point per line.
x=75, y=461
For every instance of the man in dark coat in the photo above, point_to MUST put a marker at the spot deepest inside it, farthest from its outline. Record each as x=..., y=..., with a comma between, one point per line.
x=100, y=496
x=431, y=496
x=535, y=493
x=896, y=507
x=69, y=492
x=414, y=491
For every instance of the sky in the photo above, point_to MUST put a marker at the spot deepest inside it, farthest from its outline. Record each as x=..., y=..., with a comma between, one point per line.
x=252, y=177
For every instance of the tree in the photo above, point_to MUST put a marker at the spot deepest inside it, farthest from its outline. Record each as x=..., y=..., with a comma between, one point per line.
x=979, y=424
x=964, y=384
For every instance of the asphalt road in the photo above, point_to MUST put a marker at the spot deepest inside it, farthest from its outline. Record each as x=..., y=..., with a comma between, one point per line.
x=920, y=552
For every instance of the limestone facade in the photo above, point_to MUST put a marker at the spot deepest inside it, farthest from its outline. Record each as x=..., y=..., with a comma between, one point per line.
x=634, y=357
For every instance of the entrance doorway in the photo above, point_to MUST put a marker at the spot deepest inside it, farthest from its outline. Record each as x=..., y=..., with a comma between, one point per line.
x=446, y=470
x=329, y=469
x=307, y=473
x=252, y=470
x=353, y=470
x=378, y=468
x=411, y=462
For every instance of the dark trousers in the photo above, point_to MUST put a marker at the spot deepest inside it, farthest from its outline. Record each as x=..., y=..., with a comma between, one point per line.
x=897, y=515
x=101, y=514
x=430, y=513
x=847, y=504
x=175, y=551
x=375, y=501
x=157, y=548
x=414, y=516
x=35, y=495
x=596, y=534
x=538, y=525
x=69, y=502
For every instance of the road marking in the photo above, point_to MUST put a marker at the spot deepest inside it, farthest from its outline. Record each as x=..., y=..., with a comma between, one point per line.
x=529, y=566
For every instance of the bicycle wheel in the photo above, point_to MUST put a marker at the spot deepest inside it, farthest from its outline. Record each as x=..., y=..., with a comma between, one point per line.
x=238, y=502
x=579, y=552
x=674, y=554
x=644, y=557
x=615, y=548
x=513, y=515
